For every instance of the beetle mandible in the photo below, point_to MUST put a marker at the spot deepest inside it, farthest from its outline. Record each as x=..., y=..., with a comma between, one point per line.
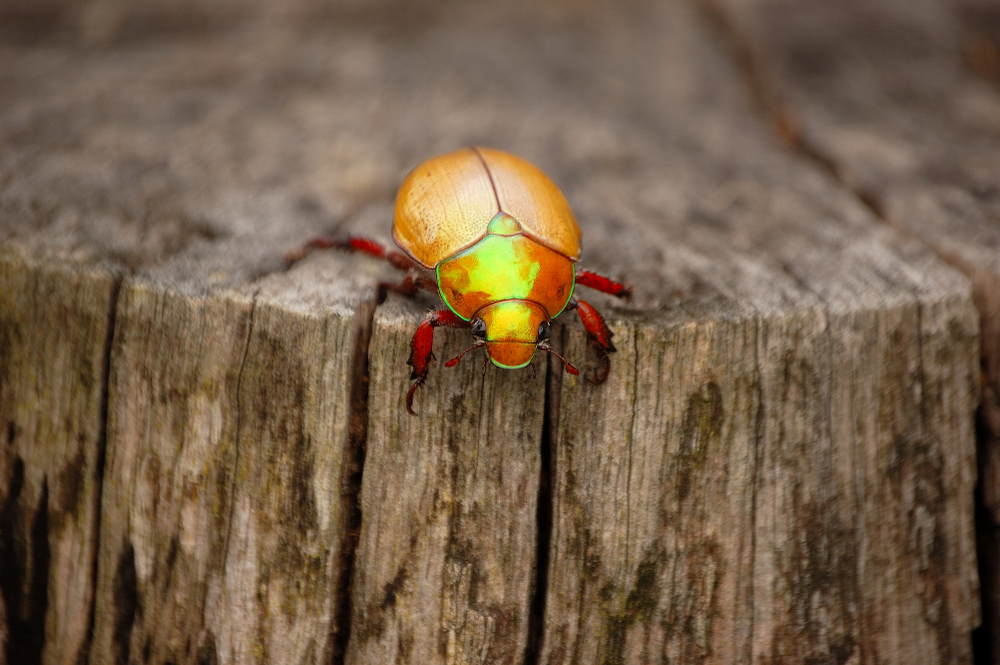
x=502, y=243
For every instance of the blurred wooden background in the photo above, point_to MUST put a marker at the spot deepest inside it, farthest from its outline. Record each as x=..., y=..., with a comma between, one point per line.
x=205, y=454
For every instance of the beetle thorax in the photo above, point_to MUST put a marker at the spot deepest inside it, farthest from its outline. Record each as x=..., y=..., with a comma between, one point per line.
x=505, y=265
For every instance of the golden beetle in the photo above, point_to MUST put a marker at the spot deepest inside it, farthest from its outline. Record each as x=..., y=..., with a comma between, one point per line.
x=502, y=243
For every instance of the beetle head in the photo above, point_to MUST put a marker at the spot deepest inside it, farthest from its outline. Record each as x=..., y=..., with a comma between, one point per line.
x=511, y=330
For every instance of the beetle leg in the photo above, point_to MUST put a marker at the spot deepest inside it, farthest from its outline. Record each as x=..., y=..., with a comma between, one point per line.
x=603, y=284
x=422, y=348
x=408, y=287
x=415, y=279
x=598, y=334
x=356, y=244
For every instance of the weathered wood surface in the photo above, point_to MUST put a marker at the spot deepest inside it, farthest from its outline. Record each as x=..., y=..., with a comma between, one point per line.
x=228, y=433
x=779, y=468
x=449, y=502
x=900, y=100
x=55, y=324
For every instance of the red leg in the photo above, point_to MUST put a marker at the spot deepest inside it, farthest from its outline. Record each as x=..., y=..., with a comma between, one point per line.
x=599, y=335
x=603, y=284
x=408, y=287
x=422, y=348
x=351, y=243
x=414, y=278
x=368, y=246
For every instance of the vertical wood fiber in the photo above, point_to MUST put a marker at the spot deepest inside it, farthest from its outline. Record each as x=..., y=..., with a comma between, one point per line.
x=651, y=554
x=445, y=563
x=54, y=323
x=224, y=518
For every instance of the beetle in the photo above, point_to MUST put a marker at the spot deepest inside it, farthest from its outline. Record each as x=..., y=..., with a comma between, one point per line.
x=502, y=243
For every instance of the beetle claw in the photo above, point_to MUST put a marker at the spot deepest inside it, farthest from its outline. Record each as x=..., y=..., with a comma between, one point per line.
x=409, y=394
x=569, y=367
x=454, y=361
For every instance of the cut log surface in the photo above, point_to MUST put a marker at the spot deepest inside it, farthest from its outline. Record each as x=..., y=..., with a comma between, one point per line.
x=779, y=468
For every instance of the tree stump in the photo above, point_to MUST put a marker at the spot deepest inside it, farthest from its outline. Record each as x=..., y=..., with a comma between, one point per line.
x=208, y=459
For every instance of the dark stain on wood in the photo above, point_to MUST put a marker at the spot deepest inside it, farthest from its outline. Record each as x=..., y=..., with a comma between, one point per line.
x=506, y=626
x=370, y=623
x=393, y=588
x=405, y=643
x=26, y=599
x=822, y=571
x=840, y=652
x=676, y=593
x=85, y=368
x=640, y=606
x=128, y=605
x=70, y=484
x=207, y=654
x=459, y=548
x=693, y=606
x=701, y=428
x=166, y=577
x=916, y=475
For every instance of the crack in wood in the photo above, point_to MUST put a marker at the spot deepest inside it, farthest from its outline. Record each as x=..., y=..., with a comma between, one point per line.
x=102, y=444
x=239, y=425
x=760, y=426
x=631, y=442
x=544, y=515
x=351, y=478
x=784, y=117
x=754, y=68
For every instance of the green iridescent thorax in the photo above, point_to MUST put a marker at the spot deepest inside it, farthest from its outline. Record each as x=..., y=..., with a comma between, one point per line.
x=505, y=265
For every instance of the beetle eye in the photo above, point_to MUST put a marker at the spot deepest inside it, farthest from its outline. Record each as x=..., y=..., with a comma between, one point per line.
x=479, y=328
x=543, y=331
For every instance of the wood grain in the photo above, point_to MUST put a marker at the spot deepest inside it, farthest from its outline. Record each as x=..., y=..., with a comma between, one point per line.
x=224, y=515
x=446, y=557
x=912, y=131
x=55, y=322
x=170, y=470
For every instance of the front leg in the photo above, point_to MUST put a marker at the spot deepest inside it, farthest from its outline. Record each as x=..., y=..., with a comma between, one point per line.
x=415, y=277
x=599, y=336
x=422, y=348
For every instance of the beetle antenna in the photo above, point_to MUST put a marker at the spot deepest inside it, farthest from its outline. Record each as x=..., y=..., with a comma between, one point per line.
x=569, y=367
x=454, y=361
